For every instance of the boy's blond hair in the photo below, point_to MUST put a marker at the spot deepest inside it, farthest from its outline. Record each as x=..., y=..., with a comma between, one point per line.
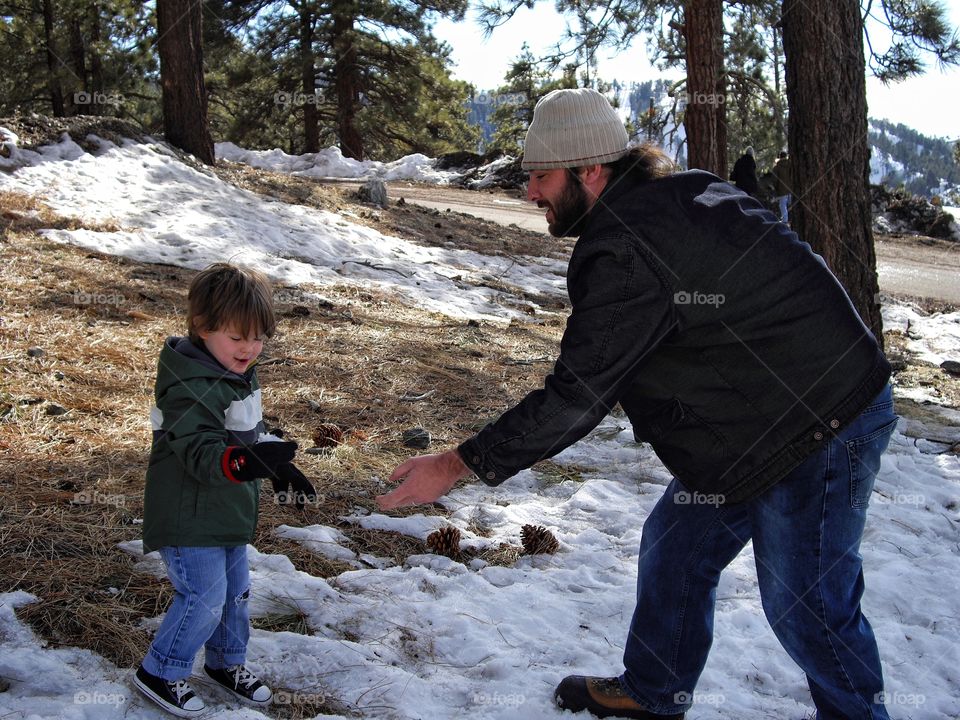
x=224, y=295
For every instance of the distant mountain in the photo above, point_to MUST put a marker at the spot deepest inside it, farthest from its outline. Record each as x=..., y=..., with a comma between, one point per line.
x=899, y=154
x=902, y=156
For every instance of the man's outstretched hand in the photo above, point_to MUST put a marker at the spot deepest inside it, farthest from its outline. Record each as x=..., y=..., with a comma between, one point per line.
x=425, y=478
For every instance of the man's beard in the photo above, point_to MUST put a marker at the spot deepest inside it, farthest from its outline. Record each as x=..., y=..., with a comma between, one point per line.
x=570, y=209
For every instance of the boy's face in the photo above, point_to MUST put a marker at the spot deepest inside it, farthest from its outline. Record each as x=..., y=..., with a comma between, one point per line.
x=232, y=348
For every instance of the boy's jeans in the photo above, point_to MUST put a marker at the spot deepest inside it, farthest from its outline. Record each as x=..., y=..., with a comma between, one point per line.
x=806, y=533
x=210, y=608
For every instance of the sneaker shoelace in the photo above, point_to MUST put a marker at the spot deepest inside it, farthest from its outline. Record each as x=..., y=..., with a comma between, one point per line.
x=180, y=689
x=242, y=676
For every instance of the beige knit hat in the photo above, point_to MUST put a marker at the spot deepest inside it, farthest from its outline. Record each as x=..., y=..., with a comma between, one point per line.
x=571, y=128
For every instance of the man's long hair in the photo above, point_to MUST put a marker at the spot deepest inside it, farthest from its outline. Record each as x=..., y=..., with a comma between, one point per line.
x=641, y=164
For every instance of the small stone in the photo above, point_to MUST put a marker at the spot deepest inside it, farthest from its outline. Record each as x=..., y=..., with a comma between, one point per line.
x=36, y=352
x=54, y=409
x=416, y=438
x=951, y=366
x=374, y=191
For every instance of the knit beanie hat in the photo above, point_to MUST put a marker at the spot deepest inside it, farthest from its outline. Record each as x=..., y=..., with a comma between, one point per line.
x=571, y=128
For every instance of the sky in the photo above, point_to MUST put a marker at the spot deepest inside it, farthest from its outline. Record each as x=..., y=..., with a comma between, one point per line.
x=929, y=104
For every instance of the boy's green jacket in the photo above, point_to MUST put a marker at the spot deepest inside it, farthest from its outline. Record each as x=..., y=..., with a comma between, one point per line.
x=201, y=409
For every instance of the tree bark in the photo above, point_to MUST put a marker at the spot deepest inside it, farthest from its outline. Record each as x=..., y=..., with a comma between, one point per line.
x=830, y=156
x=346, y=80
x=181, y=75
x=704, y=119
x=97, y=84
x=53, y=71
x=311, y=120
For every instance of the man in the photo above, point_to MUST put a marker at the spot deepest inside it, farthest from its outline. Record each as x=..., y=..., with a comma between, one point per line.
x=782, y=181
x=736, y=354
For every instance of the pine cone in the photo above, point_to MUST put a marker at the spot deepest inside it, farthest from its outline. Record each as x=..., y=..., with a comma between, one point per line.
x=537, y=539
x=445, y=541
x=327, y=435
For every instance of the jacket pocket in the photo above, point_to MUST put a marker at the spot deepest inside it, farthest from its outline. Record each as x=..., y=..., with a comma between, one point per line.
x=691, y=448
x=650, y=428
x=863, y=455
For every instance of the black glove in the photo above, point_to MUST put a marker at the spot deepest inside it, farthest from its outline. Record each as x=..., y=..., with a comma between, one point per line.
x=243, y=463
x=291, y=484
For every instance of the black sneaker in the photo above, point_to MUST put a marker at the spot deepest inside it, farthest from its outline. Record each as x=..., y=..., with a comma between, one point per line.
x=242, y=683
x=602, y=697
x=175, y=697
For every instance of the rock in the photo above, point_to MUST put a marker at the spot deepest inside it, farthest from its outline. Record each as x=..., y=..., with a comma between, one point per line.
x=54, y=409
x=416, y=438
x=36, y=352
x=951, y=366
x=374, y=191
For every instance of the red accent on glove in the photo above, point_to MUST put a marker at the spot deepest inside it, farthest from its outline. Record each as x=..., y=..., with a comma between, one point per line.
x=230, y=466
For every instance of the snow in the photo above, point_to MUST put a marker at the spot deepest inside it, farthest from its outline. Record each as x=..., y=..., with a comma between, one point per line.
x=168, y=212
x=434, y=638
x=330, y=163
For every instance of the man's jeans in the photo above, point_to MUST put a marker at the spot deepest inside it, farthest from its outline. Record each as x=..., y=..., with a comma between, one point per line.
x=210, y=608
x=806, y=534
x=784, y=202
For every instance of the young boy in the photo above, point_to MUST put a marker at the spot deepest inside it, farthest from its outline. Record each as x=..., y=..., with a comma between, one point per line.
x=203, y=489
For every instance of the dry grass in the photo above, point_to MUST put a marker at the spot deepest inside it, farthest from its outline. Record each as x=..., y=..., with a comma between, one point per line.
x=82, y=331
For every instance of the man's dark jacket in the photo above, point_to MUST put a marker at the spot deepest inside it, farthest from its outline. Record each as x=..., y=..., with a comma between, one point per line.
x=731, y=347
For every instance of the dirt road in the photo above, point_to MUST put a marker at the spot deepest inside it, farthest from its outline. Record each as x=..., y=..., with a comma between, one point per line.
x=907, y=266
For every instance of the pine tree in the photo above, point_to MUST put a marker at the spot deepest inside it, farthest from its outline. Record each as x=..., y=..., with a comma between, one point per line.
x=525, y=83
x=67, y=57
x=179, y=43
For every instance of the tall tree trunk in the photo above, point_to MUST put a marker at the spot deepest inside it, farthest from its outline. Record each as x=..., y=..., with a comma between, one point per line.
x=705, y=118
x=311, y=123
x=97, y=84
x=181, y=75
x=830, y=157
x=53, y=70
x=346, y=79
x=85, y=102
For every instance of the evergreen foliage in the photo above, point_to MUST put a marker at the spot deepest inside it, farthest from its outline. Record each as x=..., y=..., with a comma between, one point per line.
x=914, y=161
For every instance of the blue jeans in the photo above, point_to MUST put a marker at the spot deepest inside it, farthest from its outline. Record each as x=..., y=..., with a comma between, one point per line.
x=784, y=202
x=806, y=534
x=210, y=609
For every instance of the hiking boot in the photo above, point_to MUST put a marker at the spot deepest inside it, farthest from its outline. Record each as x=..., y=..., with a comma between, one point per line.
x=176, y=696
x=602, y=697
x=242, y=683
